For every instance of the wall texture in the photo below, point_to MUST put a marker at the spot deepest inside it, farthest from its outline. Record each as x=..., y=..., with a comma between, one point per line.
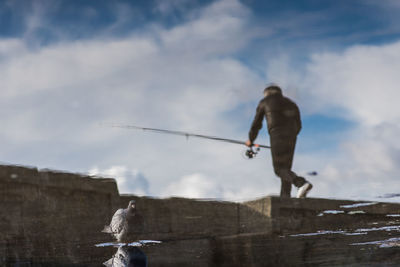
x=50, y=218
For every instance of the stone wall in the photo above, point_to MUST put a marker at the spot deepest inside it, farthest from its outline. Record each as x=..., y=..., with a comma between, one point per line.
x=50, y=218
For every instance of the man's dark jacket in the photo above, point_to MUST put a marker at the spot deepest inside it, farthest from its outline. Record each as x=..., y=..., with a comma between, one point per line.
x=282, y=114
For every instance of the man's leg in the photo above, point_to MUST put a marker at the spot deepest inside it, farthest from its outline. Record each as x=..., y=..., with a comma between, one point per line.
x=298, y=181
x=286, y=188
x=282, y=150
x=287, y=176
x=282, y=155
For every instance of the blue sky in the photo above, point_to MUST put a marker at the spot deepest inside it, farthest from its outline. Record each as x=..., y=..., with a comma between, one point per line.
x=67, y=67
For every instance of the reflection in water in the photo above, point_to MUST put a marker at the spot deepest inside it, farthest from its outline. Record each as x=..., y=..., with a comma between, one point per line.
x=330, y=212
x=320, y=232
x=127, y=256
x=388, y=243
x=350, y=212
x=392, y=195
x=376, y=229
x=139, y=243
x=383, y=228
x=359, y=231
x=357, y=205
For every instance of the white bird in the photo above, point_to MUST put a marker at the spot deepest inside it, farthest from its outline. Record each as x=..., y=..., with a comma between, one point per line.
x=127, y=256
x=119, y=226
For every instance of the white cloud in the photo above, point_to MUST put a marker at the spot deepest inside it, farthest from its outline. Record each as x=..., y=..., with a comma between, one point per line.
x=213, y=32
x=10, y=48
x=55, y=98
x=199, y=185
x=194, y=186
x=128, y=181
x=362, y=80
x=72, y=64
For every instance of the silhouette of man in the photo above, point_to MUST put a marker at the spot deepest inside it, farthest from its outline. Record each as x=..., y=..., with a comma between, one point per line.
x=284, y=124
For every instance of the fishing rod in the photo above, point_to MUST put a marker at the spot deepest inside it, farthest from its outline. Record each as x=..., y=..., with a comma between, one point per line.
x=250, y=153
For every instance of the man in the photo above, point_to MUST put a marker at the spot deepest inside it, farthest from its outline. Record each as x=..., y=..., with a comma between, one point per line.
x=284, y=124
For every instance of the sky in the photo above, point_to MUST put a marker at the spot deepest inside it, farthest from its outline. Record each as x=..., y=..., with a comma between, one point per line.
x=69, y=69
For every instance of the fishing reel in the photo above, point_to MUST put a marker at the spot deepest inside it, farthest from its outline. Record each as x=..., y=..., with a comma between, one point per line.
x=250, y=153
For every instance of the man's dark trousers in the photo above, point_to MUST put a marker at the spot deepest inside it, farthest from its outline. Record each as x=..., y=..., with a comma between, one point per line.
x=282, y=151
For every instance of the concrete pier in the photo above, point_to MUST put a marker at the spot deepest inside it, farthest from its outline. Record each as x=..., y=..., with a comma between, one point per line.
x=50, y=218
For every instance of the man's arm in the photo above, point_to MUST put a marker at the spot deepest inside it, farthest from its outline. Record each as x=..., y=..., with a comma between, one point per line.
x=256, y=125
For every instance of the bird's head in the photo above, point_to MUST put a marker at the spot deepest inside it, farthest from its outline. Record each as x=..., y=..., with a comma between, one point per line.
x=132, y=206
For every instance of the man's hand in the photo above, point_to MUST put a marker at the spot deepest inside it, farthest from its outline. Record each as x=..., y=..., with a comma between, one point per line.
x=249, y=143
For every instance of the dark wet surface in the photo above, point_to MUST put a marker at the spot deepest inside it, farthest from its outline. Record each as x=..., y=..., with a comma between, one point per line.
x=376, y=243
x=56, y=219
